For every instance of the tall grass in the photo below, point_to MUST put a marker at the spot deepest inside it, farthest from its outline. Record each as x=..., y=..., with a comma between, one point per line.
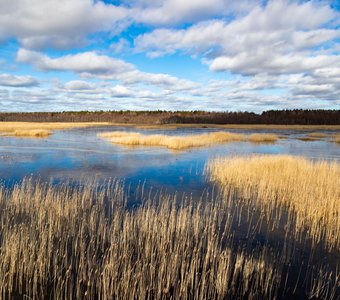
x=179, y=142
x=36, y=129
x=309, y=191
x=263, y=138
x=336, y=138
x=84, y=243
x=31, y=133
x=317, y=135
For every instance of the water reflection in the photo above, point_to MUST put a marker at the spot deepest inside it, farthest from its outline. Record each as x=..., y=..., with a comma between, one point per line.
x=79, y=153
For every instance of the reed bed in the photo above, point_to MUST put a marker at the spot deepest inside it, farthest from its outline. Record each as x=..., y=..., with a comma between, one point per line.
x=38, y=133
x=336, y=138
x=171, y=142
x=84, y=243
x=263, y=138
x=179, y=142
x=317, y=135
x=309, y=191
x=36, y=129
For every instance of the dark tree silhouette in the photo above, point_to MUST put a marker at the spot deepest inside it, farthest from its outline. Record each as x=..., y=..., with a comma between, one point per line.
x=285, y=117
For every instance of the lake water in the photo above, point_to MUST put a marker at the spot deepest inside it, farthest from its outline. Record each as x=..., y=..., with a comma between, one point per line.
x=78, y=154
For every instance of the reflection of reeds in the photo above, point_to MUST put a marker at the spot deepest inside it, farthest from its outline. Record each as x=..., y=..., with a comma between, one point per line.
x=32, y=129
x=182, y=141
x=84, y=244
x=309, y=190
x=263, y=138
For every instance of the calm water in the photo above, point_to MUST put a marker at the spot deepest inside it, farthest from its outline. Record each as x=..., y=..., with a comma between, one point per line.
x=74, y=155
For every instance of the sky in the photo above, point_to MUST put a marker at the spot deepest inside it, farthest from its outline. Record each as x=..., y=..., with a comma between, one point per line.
x=215, y=55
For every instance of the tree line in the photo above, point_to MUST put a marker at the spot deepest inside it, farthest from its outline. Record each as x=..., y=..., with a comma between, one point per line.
x=284, y=117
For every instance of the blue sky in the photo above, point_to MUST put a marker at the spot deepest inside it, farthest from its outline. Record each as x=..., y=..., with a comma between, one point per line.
x=217, y=55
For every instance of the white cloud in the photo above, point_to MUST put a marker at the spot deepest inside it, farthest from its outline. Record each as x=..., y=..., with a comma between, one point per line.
x=17, y=81
x=121, y=91
x=167, y=12
x=78, y=85
x=93, y=65
x=264, y=41
x=58, y=23
x=83, y=63
x=271, y=63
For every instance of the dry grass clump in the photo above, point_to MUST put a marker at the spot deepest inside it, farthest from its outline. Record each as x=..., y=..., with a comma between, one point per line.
x=35, y=129
x=310, y=191
x=263, y=138
x=317, y=135
x=336, y=138
x=179, y=142
x=171, y=142
x=40, y=133
x=84, y=243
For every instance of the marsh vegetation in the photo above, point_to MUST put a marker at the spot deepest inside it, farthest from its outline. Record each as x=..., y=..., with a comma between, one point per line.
x=258, y=237
x=180, y=142
x=35, y=129
x=309, y=191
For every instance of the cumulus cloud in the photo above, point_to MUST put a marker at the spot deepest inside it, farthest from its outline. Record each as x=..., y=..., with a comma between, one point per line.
x=169, y=12
x=58, y=23
x=263, y=41
x=93, y=65
x=17, y=81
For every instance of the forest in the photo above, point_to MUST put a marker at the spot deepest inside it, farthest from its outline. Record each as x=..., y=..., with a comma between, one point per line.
x=284, y=117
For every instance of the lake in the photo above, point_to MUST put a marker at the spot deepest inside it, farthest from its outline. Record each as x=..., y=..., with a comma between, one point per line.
x=78, y=154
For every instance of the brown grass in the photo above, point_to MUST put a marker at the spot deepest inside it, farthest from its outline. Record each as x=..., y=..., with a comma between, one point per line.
x=64, y=243
x=310, y=191
x=317, y=135
x=263, y=138
x=178, y=142
x=38, y=133
x=29, y=129
x=241, y=126
x=336, y=138
x=171, y=142
x=58, y=242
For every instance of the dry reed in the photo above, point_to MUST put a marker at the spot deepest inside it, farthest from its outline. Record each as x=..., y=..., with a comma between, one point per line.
x=171, y=142
x=317, y=135
x=31, y=129
x=336, y=138
x=310, y=191
x=32, y=133
x=83, y=243
x=263, y=138
x=178, y=142
x=86, y=243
